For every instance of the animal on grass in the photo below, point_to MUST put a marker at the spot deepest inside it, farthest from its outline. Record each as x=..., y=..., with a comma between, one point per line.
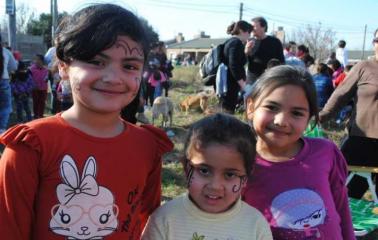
x=194, y=102
x=163, y=106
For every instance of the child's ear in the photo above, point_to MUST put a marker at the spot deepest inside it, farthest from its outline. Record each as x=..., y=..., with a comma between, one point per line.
x=63, y=70
x=250, y=109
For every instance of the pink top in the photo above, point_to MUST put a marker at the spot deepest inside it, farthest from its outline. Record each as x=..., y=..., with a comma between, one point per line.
x=40, y=76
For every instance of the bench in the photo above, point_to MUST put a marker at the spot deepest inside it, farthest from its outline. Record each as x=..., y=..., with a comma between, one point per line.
x=365, y=172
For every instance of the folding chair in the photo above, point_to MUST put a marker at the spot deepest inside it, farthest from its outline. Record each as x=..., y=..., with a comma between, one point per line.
x=364, y=220
x=365, y=172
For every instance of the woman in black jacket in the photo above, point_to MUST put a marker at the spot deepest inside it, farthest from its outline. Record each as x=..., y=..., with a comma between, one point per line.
x=235, y=59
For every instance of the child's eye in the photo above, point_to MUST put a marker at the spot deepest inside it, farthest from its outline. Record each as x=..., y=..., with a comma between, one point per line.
x=204, y=171
x=230, y=175
x=131, y=67
x=298, y=114
x=271, y=107
x=96, y=62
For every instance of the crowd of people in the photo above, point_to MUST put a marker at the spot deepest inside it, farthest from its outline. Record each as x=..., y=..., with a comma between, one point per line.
x=86, y=173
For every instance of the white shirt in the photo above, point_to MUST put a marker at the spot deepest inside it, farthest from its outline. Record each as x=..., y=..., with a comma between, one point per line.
x=10, y=63
x=342, y=56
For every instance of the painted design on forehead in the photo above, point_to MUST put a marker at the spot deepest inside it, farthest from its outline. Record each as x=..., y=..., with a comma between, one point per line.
x=128, y=50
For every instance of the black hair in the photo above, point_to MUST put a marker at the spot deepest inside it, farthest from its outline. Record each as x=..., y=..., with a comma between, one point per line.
x=322, y=68
x=235, y=27
x=375, y=32
x=21, y=74
x=286, y=75
x=262, y=21
x=335, y=64
x=303, y=48
x=342, y=44
x=96, y=28
x=40, y=57
x=225, y=130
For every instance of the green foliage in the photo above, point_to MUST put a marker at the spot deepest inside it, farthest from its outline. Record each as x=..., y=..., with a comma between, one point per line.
x=42, y=26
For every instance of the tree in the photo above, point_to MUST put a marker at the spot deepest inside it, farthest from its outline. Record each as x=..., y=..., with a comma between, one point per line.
x=42, y=27
x=24, y=14
x=320, y=42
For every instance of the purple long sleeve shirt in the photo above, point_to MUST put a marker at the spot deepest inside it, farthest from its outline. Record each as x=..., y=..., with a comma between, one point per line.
x=306, y=197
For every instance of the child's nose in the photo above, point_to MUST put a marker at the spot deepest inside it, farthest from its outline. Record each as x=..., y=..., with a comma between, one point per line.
x=112, y=75
x=280, y=119
x=216, y=183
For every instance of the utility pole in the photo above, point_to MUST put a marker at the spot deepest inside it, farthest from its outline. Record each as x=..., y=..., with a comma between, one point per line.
x=241, y=11
x=54, y=20
x=363, y=44
x=10, y=9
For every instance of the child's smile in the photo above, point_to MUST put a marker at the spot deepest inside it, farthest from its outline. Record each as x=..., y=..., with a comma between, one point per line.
x=280, y=119
x=110, y=80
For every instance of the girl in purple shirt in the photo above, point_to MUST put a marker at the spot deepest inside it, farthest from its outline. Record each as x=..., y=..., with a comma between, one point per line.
x=298, y=183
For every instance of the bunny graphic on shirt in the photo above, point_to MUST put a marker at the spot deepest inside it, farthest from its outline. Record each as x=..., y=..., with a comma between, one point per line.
x=85, y=210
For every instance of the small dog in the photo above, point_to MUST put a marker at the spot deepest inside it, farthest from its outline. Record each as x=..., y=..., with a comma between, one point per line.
x=162, y=106
x=194, y=101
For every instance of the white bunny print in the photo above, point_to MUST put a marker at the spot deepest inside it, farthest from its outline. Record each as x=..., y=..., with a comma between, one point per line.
x=85, y=210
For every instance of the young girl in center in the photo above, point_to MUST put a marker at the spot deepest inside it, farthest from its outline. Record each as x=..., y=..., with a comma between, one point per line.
x=219, y=154
x=298, y=183
x=85, y=173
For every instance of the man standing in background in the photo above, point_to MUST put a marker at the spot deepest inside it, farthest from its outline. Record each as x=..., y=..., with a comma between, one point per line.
x=260, y=49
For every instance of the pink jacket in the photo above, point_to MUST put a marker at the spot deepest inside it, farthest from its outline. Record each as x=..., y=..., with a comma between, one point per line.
x=40, y=76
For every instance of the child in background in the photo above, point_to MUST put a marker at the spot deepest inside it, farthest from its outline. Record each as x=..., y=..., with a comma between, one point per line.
x=298, y=183
x=323, y=84
x=85, y=173
x=341, y=77
x=22, y=85
x=219, y=154
x=40, y=76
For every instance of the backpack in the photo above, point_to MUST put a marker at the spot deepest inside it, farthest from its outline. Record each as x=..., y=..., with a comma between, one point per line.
x=209, y=65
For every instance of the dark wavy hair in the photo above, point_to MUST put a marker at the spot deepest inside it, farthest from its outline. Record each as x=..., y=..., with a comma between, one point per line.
x=96, y=28
x=225, y=130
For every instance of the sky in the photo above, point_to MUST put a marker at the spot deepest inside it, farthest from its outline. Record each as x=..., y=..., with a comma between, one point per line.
x=169, y=17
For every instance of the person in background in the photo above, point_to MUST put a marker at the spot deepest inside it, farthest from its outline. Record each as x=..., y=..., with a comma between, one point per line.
x=360, y=146
x=219, y=152
x=342, y=53
x=260, y=49
x=85, y=173
x=323, y=84
x=40, y=76
x=303, y=54
x=337, y=81
x=234, y=59
x=22, y=86
x=8, y=64
x=298, y=183
x=336, y=68
x=291, y=57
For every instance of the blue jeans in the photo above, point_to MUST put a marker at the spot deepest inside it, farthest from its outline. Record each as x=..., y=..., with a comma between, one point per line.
x=5, y=103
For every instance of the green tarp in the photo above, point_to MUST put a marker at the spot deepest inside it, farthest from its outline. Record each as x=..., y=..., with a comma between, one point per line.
x=364, y=220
